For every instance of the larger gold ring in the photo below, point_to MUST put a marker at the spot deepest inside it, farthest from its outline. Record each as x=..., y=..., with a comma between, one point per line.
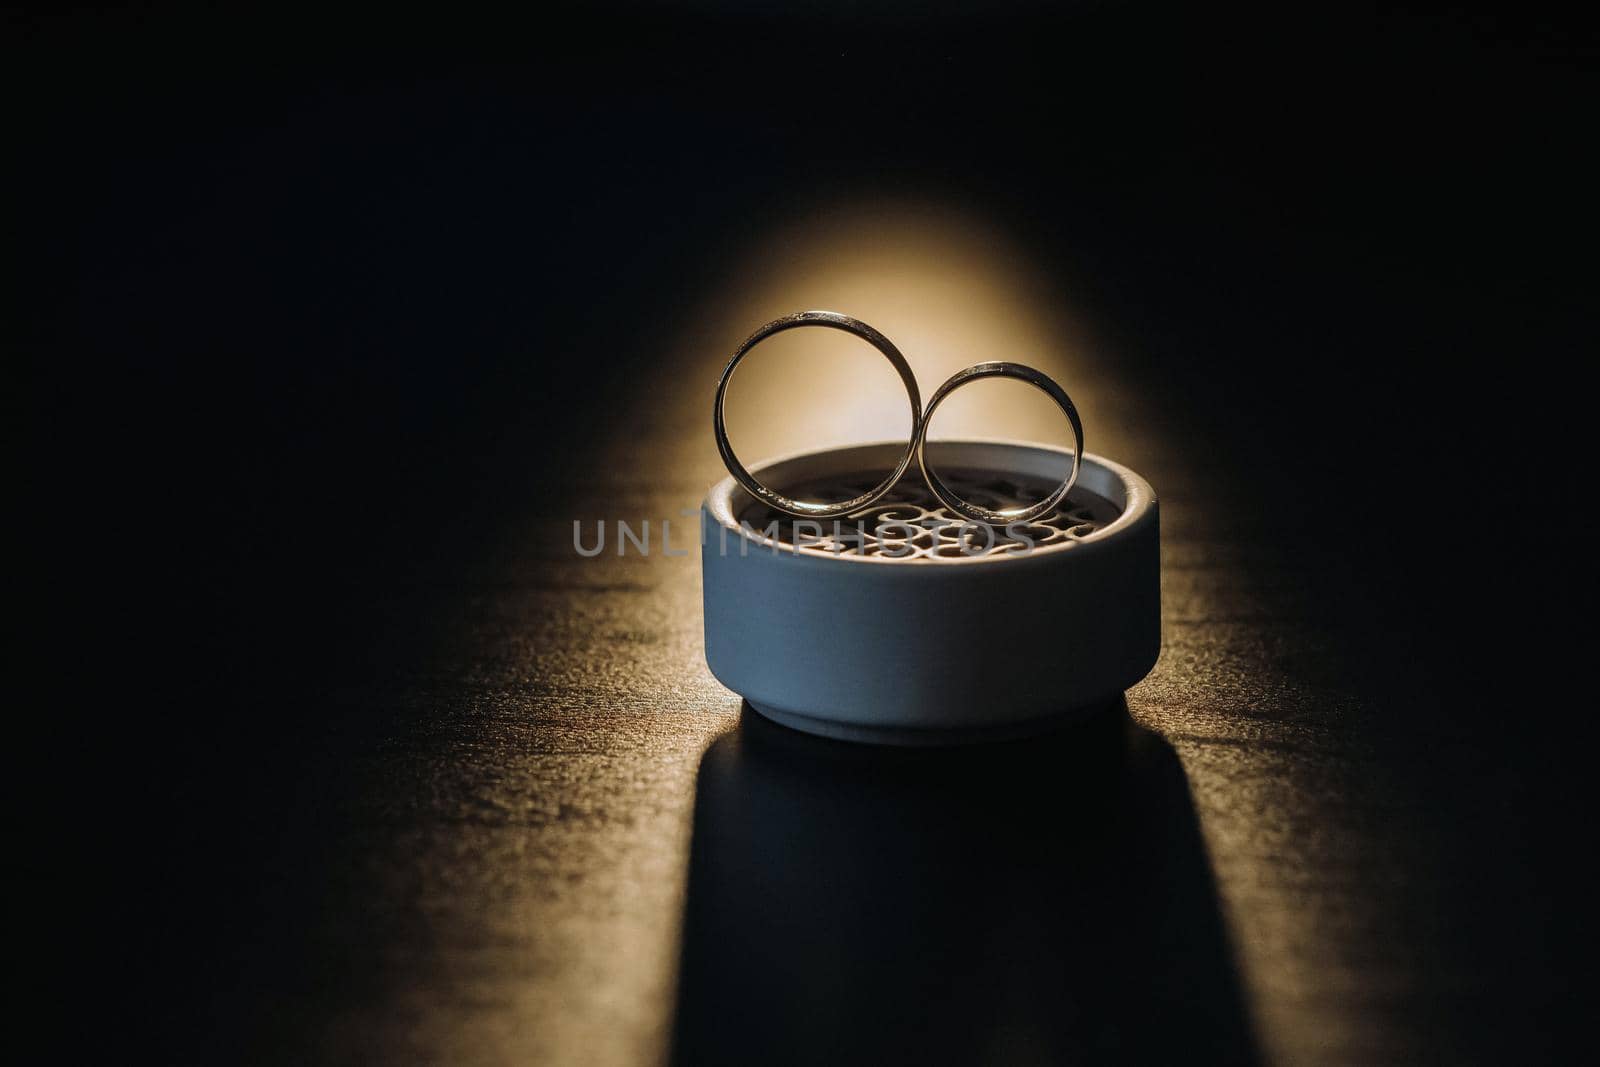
x=775, y=499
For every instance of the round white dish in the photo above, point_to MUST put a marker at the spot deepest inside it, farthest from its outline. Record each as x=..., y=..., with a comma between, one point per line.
x=939, y=637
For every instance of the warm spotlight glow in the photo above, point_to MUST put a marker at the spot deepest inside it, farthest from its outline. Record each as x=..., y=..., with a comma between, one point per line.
x=949, y=289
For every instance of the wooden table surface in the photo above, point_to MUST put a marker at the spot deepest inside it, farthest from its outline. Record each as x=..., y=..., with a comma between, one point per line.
x=533, y=828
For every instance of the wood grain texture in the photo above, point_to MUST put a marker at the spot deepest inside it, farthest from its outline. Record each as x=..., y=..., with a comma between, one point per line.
x=501, y=808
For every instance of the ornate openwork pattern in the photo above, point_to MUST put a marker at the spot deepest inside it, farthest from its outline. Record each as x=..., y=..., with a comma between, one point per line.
x=909, y=524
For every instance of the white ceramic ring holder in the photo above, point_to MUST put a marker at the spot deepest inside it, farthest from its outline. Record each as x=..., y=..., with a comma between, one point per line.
x=845, y=640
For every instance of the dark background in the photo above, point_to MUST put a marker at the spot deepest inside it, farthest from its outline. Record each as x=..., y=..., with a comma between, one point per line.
x=303, y=298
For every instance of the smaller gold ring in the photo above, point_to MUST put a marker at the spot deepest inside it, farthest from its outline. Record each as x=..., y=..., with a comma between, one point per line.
x=1045, y=384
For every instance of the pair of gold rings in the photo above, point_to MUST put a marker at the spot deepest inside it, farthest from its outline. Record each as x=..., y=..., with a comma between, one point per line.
x=916, y=446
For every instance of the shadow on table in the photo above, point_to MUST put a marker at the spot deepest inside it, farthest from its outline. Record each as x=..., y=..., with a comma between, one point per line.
x=1030, y=902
